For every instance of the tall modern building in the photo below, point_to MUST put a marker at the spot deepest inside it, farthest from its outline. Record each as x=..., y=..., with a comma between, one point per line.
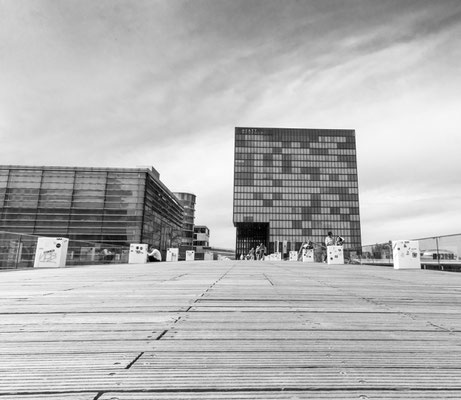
x=294, y=185
x=187, y=201
x=109, y=205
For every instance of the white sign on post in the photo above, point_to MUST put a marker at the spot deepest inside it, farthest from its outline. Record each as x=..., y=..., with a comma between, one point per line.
x=406, y=254
x=190, y=255
x=335, y=255
x=172, y=254
x=308, y=255
x=138, y=253
x=293, y=255
x=51, y=252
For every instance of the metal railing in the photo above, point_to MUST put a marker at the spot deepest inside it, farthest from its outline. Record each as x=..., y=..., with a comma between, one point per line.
x=17, y=251
x=438, y=252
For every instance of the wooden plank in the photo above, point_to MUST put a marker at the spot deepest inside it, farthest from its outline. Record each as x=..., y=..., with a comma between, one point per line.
x=237, y=330
x=290, y=395
x=51, y=396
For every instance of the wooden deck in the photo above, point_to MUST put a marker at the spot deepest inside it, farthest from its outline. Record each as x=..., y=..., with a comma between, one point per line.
x=229, y=330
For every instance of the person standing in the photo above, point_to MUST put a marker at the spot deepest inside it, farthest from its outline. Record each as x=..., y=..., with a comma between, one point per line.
x=262, y=251
x=329, y=241
x=257, y=252
x=339, y=241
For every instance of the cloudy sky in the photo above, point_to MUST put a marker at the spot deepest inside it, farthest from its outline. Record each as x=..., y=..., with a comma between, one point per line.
x=164, y=82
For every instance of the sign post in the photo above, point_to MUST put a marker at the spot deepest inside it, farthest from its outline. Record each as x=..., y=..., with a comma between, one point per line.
x=406, y=254
x=51, y=252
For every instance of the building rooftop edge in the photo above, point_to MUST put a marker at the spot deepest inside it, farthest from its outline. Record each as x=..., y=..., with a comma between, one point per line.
x=59, y=167
x=176, y=191
x=151, y=171
x=297, y=129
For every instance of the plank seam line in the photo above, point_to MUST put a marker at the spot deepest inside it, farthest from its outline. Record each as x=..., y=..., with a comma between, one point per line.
x=162, y=334
x=128, y=366
x=244, y=389
x=287, y=390
x=265, y=276
x=61, y=313
x=176, y=277
x=214, y=283
x=440, y=327
x=98, y=395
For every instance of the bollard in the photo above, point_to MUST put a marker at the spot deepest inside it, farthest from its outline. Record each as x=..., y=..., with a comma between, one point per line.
x=335, y=255
x=138, y=253
x=172, y=254
x=51, y=252
x=406, y=254
x=308, y=255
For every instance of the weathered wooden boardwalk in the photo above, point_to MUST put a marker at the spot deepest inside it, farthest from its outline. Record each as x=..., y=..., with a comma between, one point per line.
x=229, y=330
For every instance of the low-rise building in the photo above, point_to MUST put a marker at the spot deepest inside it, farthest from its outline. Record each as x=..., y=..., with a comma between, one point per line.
x=108, y=205
x=201, y=237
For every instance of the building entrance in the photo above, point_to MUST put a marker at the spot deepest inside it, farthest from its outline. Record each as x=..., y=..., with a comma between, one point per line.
x=250, y=235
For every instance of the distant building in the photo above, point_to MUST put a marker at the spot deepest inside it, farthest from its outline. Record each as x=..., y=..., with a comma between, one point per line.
x=294, y=185
x=109, y=205
x=220, y=253
x=187, y=201
x=201, y=237
x=201, y=241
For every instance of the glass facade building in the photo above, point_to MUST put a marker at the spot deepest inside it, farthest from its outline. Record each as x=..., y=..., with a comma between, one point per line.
x=109, y=205
x=187, y=201
x=294, y=185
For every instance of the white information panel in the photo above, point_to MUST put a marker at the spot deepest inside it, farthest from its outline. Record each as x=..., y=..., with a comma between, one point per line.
x=293, y=255
x=308, y=255
x=51, y=252
x=406, y=254
x=208, y=256
x=190, y=255
x=138, y=253
x=172, y=254
x=335, y=255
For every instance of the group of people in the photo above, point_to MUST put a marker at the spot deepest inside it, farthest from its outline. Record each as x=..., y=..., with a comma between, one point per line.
x=305, y=246
x=258, y=253
x=331, y=240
